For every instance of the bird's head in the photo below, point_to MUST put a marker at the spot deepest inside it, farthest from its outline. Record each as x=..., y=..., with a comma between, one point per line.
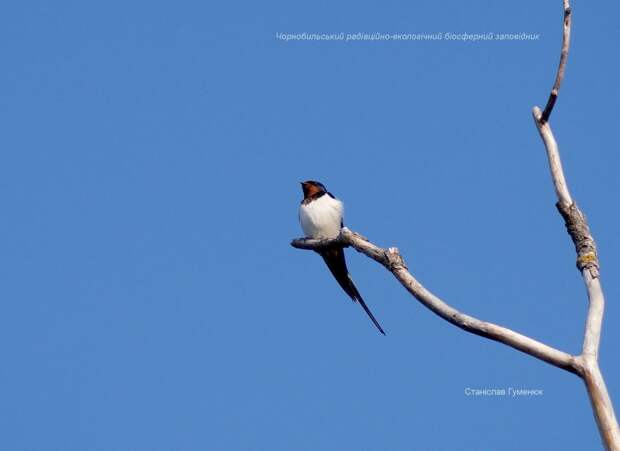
x=312, y=188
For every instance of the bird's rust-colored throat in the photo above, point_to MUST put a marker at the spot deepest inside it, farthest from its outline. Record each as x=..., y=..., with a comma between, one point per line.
x=310, y=190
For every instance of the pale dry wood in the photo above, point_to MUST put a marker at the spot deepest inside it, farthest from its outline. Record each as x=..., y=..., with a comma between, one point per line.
x=587, y=261
x=553, y=155
x=588, y=264
x=553, y=96
x=393, y=262
x=601, y=404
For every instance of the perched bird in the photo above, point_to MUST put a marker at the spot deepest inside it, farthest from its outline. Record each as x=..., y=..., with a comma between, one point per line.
x=320, y=216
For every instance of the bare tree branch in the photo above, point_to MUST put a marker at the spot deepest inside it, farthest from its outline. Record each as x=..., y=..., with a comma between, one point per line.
x=393, y=262
x=601, y=405
x=563, y=58
x=553, y=155
x=587, y=261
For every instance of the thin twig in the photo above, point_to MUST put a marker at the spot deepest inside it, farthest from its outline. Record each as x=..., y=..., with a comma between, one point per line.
x=559, y=76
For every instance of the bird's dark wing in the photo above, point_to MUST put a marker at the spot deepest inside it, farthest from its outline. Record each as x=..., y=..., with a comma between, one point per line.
x=334, y=258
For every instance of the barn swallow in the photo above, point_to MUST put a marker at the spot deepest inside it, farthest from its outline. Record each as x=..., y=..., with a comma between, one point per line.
x=320, y=216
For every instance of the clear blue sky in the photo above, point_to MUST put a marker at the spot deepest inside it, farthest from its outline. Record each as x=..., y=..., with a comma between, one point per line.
x=151, y=154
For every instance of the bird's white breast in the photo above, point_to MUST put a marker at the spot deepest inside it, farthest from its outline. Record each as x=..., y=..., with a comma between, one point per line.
x=322, y=217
